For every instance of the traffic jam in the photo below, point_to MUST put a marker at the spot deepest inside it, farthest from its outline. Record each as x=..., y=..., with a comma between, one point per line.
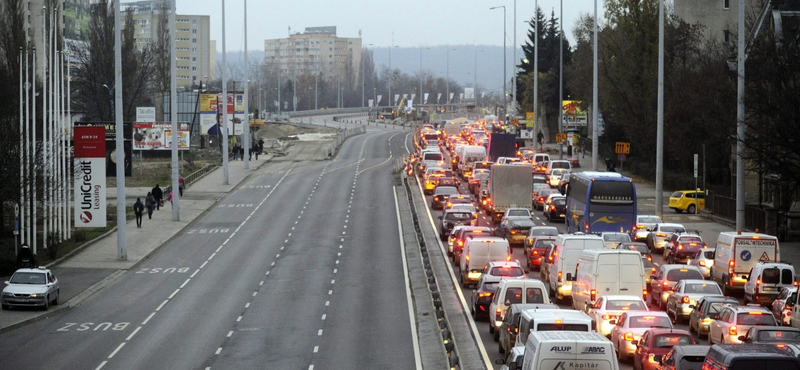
x=560, y=271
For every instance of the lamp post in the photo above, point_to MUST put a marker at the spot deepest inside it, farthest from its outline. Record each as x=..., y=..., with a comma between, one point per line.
x=561, y=80
x=475, y=75
x=447, y=80
x=505, y=65
x=363, y=83
x=316, y=73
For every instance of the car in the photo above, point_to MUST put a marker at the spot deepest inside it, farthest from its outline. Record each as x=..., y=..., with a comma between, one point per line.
x=636, y=246
x=475, y=180
x=464, y=234
x=515, y=229
x=539, y=247
x=445, y=181
x=648, y=265
x=666, y=277
x=451, y=239
x=771, y=334
x=541, y=196
x=538, y=231
x=546, y=262
x=685, y=294
x=465, y=207
x=704, y=310
x=563, y=182
x=765, y=280
x=430, y=183
x=458, y=199
x=441, y=194
x=681, y=247
x=514, y=359
x=782, y=306
x=611, y=307
x=482, y=296
x=517, y=212
x=703, y=259
x=629, y=328
x=555, y=177
x=549, y=200
x=734, y=321
x=683, y=358
x=660, y=234
x=31, y=287
x=687, y=200
x=557, y=209
x=658, y=342
x=504, y=269
x=644, y=223
x=557, y=164
x=612, y=239
x=539, y=179
x=451, y=218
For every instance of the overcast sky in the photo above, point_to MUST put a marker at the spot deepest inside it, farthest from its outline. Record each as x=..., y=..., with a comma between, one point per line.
x=413, y=22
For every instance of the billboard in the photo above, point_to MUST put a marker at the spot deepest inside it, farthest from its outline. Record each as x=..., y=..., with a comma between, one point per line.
x=90, y=176
x=158, y=136
x=573, y=114
x=77, y=14
x=210, y=108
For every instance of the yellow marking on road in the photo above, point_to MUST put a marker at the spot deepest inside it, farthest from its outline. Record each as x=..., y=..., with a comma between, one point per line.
x=377, y=165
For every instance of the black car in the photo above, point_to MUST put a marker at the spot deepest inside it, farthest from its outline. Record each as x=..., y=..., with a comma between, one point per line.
x=452, y=218
x=771, y=334
x=440, y=195
x=707, y=308
x=636, y=246
x=482, y=296
x=515, y=229
x=557, y=209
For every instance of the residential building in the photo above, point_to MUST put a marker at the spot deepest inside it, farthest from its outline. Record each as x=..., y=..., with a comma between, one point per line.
x=719, y=17
x=315, y=49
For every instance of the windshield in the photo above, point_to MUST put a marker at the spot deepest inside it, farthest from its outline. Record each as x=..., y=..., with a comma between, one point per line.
x=519, y=212
x=771, y=276
x=778, y=335
x=612, y=192
x=491, y=287
x=543, y=244
x=691, y=239
x=28, y=278
x=625, y=304
x=557, y=164
x=616, y=237
x=507, y=271
x=566, y=327
x=682, y=274
x=672, y=229
x=560, y=201
x=544, y=231
x=710, y=288
x=432, y=157
x=692, y=362
x=456, y=216
x=649, y=219
x=522, y=224
x=649, y=322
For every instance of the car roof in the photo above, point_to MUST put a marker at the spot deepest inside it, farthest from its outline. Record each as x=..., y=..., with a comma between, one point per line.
x=773, y=327
x=676, y=266
x=670, y=224
x=29, y=270
x=692, y=349
x=647, y=313
x=623, y=297
x=697, y=281
x=750, y=308
x=503, y=263
x=716, y=299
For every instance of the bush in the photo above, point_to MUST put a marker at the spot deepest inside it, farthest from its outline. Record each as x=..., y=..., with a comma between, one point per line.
x=79, y=235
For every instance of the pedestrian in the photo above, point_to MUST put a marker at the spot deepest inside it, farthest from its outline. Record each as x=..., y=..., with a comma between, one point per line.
x=159, y=196
x=261, y=145
x=181, y=185
x=169, y=197
x=540, y=138
x=150, y=203
x=235, y=151
x=241, y=153
x=138, y=211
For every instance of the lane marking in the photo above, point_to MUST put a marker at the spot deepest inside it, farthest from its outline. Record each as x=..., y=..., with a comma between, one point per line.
x=101, y=365
x=116, y=350
x=162, y=305
x=174, y=293
x=218, y=351
x=230, y=333
x=186, y=282
x=411, y=318
x=148, y=318
x=134, y=333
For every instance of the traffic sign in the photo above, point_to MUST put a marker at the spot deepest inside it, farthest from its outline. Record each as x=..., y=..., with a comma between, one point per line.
x=529, y=118
x=622, y=148
x=560, y=138
x=621, y=157
x=695, y=166
x=515, y=121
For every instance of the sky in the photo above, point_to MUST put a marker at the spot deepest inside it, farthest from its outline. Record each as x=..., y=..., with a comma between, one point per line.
x=408, y=23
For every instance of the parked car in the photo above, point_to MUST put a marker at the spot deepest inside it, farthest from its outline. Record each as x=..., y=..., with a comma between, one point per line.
x=704, y=311
x=687, y=200
x=31, y=287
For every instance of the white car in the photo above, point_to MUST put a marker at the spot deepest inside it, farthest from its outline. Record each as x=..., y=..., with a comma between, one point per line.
x=703, y=259
x=644, y=223
x=630, y=327
x=612, y=239
x=611, y=307
x=684, y=296
x=36, y=287
x=734, y=321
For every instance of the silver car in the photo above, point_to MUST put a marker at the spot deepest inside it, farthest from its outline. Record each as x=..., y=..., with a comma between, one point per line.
x=32, y=288
x=644, y=223
x=703, y=259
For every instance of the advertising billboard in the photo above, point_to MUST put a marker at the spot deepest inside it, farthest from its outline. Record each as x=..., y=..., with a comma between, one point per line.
x=158, y=136
x=573, y=114
x=210, y=107
x=90, y=176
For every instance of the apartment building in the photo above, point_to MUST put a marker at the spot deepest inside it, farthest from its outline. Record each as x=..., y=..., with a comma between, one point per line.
x=315, y=49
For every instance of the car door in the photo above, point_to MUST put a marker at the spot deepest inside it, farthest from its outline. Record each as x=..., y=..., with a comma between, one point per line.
x=673, y=296
x=696, y=314
x=716, y=326
x=656, y=286
x=52, y=283
x=641, y=348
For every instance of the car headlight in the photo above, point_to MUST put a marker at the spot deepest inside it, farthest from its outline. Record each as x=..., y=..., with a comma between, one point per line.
x=34, y=295
x=7, y=294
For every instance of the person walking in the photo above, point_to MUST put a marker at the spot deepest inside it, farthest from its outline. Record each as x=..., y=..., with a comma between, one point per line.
x=235, y=151
x=169, y=197
x=540, y=139
x=150, y=202
x=260, y=146
x=181, y=185
x=138, y=211
x=159, y=195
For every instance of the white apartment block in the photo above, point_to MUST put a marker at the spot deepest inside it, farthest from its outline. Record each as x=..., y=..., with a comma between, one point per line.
x=316, y=49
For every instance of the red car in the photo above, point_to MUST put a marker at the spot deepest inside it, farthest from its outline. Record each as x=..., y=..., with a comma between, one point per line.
x=657, y=342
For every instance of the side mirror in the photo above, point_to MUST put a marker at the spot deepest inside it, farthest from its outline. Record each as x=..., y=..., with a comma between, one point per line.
x=691, y=306
x=570, y=277
x=742, y=338
x=635, y=343
x=715, y=317
x=746, y=277
x=657, y=358
x=6, y=282
x=612, y=322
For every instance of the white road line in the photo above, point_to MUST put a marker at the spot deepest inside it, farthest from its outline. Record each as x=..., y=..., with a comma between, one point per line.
x=162, y=305
x=255, y=293
x=334, y=271
x=316, y=349
x=116, y=350
x=104, y=364
x=148, y=318
x=212, y=256
x=238, y=319
x=134, y=333
x=412, y=321
x=186, y=282
x=278, y=255
x=194, y=273
x=261, y=283
x=267, y=273
x=204, y=264
x=327, y=303
x=333, y=281
x=310, y=367
x=230, y=333
x=218, y=351
x=218, y=249
x=174, y=293
x=324, y=316
x=247, y=305
x=330, y=292
x=319, y=333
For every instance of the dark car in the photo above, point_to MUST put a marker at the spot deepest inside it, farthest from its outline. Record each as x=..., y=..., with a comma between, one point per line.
x=541, y=196
x=771, y=334
x=482, y=296
x=683, y=358
x=557, y=209
x=536, y=254
x=446, y=181
x=636, y=246
x=441, y=194
x=515, y=229
x=657, y=342
x=681, y=247
x=452, y=218
x=704, y=311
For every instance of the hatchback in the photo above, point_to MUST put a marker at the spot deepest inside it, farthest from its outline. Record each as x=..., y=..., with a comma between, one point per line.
x=704, y=311
x=732, y=322
x=687, y=200
x=657, y=342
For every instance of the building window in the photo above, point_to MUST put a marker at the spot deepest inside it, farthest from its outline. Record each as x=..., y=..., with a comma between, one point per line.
x=194, y=41
x=726, y=37
x=194, y=50
x=726, y=4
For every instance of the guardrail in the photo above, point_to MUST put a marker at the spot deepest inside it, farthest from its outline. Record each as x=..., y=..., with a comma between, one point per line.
x=755, y=218
x=194, y=176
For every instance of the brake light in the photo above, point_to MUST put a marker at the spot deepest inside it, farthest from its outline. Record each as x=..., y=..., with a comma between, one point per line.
x=665, y=284
x=732, y=330
x=629, y=336
x=536, y=253
x=754, y=313
x=593, y=295
x=559, y=276
x=513, y=232
x=640, y=226
x=758, y=284
x=680, y=246
x=653, y=271
x=644, y=295
x=484, y=294
x=661, y=235
x=508, y=258
x=685, y=300
x=461, y=244
x=552, y=208
x=467, y=257
x=608, y=317
x=497, y=313
x=731, y=266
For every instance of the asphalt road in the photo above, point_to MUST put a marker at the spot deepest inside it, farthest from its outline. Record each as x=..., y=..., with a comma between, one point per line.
x=300, y=272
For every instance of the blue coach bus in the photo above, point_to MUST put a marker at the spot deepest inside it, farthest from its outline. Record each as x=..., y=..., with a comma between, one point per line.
x=599, y=202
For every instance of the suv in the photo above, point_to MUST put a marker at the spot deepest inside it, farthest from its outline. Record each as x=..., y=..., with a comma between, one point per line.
x=750, y=356
x=31, y=288
x=453, y=217
x=732, y=322
x=482, y=296
x=687, y=200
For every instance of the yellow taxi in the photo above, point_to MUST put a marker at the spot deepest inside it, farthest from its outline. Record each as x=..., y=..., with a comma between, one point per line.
x=687, y=200
x=430, y=182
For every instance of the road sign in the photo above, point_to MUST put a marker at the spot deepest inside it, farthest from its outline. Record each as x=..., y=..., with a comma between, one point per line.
x=622, y=148
x=764, y=257
x=621, y=157
x=529, y=118
x=695, y=166
x=515, y=121
x=560, y=138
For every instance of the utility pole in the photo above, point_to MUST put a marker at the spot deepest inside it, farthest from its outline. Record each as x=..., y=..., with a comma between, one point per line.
x=595, y=104
x=505, y=52
x=224, y=125
x=660, y=115
x=740, y=123
x=561, y=79
x=246, y=122
x=122, y=249
x=173, y=113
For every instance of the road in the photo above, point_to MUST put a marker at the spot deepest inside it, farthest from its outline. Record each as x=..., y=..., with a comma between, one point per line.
x=301, y=256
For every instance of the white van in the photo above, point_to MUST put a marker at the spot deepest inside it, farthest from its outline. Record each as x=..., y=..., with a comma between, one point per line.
x=510, y=291
x=552, y=320
x=607, y=272
x=540, y=161
x=736, y=253
x=566, y=251
x=765, y=281
x=478, y=251
x=569, y=350
x=467, y=158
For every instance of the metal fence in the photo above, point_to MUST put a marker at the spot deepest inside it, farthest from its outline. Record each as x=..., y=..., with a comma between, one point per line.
x=755, y=218
x=194, y=176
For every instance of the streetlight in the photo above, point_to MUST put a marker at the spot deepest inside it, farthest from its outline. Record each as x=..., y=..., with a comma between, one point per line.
x=420, y=75
x=447, y=80
x=475, y=84
x=504, y=53
x=536, y=65
x=561, y=80
x=363, y=83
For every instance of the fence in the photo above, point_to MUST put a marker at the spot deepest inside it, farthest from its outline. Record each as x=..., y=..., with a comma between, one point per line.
x=755, y=218
x=194, y=176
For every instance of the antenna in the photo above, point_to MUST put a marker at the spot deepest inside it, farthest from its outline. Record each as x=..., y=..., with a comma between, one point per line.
x=290, y=30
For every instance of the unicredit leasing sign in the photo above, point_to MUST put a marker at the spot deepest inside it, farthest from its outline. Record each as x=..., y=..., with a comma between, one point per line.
x=90, y=176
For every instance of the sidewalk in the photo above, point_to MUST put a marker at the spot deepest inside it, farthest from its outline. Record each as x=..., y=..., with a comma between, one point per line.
x=94, y=265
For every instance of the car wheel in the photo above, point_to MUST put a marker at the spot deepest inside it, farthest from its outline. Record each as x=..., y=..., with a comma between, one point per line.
x=496, y=333
x=691, y=208
x=678, y=210
x=46, y=303
x=58, y=295
x=725, y=290
x=5, y=307
x=500, y=348
x=491, y=325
